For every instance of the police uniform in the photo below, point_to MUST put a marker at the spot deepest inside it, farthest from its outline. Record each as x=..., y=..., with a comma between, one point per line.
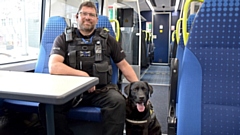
x=112, y=103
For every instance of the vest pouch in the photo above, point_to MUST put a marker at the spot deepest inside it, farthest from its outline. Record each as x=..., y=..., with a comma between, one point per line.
x=103, y=71
x=72, y=59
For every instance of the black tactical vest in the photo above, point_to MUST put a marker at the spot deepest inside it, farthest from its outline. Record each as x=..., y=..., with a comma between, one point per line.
x=90, y=55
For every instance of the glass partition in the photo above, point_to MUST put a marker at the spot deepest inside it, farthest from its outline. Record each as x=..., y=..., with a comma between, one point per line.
x=128, y=14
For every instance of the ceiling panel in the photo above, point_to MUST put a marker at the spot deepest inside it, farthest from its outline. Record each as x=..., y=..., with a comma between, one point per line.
x=162, y=5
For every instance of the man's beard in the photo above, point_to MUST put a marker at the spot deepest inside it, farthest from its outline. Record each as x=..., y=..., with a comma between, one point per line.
x=86, y=29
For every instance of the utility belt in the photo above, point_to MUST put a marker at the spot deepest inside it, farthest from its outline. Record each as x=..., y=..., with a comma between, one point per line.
x=91, y=59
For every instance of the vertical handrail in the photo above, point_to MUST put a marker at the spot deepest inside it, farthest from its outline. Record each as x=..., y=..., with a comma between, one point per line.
x=117, y=29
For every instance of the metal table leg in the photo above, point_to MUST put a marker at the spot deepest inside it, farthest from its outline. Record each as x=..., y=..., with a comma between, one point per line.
x=50, y=119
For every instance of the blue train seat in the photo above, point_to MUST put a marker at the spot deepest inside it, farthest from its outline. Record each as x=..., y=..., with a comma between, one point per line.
x=190, y=22
x=56, y=26
x=181, y=45
x=209, y=97
x=175, y=68
x=180, y=49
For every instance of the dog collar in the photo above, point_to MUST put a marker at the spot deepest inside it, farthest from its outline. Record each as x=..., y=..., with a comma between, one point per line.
x=137, y=121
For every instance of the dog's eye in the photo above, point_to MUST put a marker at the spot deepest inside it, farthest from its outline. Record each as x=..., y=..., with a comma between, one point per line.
x=134, y=89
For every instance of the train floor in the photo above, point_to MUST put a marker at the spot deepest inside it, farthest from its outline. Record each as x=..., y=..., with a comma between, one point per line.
x=156, y=75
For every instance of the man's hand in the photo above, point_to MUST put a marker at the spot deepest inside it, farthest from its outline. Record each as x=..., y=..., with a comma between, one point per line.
x=92, y=89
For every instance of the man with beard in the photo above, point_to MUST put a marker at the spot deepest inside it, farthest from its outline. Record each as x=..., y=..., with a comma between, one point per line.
x=88, y=50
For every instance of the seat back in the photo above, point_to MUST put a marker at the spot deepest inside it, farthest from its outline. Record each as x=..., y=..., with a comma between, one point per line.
x=54, y=27
x=190, y=21
x=209, y=97
x=181, y=45
x=180, y=49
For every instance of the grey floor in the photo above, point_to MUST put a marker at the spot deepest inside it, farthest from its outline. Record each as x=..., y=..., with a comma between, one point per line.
x=156, y=74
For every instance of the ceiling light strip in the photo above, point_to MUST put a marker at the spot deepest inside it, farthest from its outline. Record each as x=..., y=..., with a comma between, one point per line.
x=150, y=5
x=177, y=5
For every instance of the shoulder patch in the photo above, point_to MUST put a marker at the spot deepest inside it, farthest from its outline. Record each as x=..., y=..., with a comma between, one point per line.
x=56, y=48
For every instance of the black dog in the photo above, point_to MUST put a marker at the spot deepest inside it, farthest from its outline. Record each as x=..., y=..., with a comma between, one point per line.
x=140, y=118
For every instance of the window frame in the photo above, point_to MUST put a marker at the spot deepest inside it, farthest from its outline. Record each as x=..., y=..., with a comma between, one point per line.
x=29, y=65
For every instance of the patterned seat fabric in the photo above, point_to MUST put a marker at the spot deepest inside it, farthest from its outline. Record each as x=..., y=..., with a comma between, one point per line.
x=190, y=22
x=55, y=26
x=103, y=22
x=209, y=97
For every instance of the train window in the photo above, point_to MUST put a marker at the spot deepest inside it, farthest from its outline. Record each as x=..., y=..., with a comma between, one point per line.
x=19, y=30
x=67, y=9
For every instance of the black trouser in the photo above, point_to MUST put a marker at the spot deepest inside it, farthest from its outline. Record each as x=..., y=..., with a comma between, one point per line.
x=112, y=105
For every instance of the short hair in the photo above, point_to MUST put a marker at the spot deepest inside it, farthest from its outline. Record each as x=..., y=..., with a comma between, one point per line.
x=87, y=4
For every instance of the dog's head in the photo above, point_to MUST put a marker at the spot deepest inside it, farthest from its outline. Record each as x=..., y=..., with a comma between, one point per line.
x=138, y=93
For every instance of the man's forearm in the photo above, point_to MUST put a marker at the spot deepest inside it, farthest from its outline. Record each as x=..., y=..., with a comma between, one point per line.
x=62, y=69
x=130, y=74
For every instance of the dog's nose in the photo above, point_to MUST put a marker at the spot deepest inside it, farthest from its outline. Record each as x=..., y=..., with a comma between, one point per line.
x=141, y=98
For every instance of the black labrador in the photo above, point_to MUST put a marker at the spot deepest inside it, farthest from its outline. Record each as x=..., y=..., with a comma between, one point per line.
x=140, y=118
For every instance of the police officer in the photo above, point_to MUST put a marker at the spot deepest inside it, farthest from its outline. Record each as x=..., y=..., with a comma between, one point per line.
x=77, y=55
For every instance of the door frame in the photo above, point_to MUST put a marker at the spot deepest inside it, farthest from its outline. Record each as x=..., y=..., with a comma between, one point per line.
x=169, y=31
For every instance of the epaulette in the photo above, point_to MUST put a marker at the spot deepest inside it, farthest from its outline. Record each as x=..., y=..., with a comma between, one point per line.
x=104, y=33
x=106, y=29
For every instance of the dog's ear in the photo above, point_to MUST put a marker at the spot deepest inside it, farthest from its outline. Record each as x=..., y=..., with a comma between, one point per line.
x=150, y=88
x=127, y=89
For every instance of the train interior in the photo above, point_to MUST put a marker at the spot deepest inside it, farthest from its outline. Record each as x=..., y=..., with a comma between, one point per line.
x=157, y=36
x=151, y=68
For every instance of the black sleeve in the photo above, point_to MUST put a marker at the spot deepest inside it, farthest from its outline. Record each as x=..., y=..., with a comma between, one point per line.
x=59, y=45
x=116, y=51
